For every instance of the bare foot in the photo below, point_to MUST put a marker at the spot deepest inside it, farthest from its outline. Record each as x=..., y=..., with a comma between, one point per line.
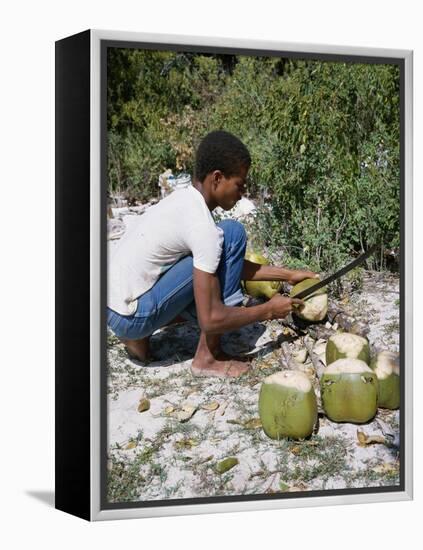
x=223, y=356
x=210, y=360
x=216, y=367
x=138, y=349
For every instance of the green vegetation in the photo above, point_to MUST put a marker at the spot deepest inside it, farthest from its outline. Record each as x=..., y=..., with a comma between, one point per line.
x=324, y=138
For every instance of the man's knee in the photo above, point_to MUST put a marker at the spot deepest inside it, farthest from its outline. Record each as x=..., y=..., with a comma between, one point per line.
x=233, y=231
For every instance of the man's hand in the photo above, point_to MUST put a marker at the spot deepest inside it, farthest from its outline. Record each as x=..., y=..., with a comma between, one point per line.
x=280, y=305
x=215, y=318
x=259, y=272
x=297, y=275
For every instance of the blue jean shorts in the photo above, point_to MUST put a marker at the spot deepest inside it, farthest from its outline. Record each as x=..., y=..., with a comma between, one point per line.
x=173, y=292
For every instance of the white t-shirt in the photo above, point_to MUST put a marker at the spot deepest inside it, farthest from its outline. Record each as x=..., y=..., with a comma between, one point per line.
x=178, y=225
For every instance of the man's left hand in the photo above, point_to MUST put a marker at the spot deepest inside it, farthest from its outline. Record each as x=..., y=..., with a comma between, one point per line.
x=298, y=275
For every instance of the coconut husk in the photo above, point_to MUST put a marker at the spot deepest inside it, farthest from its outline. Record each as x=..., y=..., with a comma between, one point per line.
x=287, y=356
x=319, y=332
x=345, y=321
x=318, y=364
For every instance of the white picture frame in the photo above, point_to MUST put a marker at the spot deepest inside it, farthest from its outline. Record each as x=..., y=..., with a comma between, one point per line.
x=79, y=485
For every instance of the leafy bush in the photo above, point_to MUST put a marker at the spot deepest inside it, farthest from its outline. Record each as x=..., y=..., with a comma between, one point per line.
x=324, y=138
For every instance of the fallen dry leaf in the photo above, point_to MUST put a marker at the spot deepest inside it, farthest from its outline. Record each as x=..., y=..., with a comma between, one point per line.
x=264, y=365
x=185, y=413
x=252, y=424
x=223, y=408
x=186, y=443
x=212, y=406
x=143, y=405
x=226, y=464
x=385, y=468
x=234, y=421
x=364, y=439
x=206, y=459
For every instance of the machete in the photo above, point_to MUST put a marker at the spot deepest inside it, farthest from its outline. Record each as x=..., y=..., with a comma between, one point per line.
x=336, y=275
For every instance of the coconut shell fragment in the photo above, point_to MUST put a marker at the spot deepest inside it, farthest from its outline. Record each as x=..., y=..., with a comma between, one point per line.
x=287, y=405
x=349, y=391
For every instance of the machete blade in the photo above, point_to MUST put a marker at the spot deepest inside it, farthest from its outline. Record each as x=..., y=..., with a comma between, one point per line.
x=336, y=275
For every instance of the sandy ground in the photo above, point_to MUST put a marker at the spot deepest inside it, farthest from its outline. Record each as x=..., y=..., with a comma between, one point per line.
x=172, y=450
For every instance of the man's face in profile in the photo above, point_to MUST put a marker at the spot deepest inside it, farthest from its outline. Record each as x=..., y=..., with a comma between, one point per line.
x=230, y=190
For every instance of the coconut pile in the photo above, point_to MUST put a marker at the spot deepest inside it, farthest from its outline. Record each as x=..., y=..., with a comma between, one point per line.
x=318, y=410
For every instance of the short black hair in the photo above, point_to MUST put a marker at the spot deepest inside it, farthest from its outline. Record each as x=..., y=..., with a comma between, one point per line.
x=220, y=150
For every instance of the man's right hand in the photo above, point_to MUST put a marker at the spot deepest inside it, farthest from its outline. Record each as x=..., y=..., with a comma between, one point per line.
x=280, y=305
x=215, y=317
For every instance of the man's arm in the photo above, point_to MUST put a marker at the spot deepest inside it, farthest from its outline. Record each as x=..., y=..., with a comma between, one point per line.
x=259, y=272
x=214, y=317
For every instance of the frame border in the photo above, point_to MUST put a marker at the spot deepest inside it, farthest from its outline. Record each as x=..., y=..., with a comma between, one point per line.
x=98, y=250
x=72, y=259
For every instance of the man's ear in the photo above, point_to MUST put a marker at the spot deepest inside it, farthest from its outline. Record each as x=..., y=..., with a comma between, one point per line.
x=216, y=178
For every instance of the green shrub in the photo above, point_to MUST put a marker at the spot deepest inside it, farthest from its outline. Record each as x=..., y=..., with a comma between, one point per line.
x=323, y=136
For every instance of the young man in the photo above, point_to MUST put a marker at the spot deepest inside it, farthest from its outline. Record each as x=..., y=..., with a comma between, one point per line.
x=176, y=264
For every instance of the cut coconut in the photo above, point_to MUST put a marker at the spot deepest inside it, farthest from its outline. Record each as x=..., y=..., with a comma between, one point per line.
x=347, y=345
x=386, y=367
x=258, y=289
x=287, y=405
x=349, y=391
x=316, y=305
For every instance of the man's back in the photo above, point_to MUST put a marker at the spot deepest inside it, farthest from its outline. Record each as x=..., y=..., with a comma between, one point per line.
x=178, y=225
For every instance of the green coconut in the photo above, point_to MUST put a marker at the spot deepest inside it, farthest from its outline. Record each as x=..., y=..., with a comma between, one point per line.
x=344, y=345
x=316, y=305
x=349, y=391
x=287, y=405
x=258, y=289
x=386, y=367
